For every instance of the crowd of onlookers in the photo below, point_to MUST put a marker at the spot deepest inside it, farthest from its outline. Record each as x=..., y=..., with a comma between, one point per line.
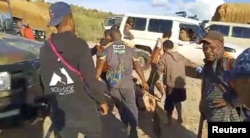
x=68, y=72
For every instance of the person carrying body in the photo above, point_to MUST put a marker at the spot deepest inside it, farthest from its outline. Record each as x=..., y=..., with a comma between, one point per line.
x=239, y=78
x=97, y=49
x=121, y=60
x=154, y=78
x=74, y=98
x=172, y=65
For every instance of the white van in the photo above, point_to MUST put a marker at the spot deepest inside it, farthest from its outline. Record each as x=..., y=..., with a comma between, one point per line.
x=234, y=33
x=147, y=28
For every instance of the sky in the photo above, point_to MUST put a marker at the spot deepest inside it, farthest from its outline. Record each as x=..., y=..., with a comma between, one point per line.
x=204, y=9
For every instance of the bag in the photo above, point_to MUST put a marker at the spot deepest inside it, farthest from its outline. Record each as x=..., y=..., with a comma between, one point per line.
x=69, y=66
x=114, y=77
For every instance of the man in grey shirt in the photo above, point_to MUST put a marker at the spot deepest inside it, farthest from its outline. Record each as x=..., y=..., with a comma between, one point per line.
x=121, y=59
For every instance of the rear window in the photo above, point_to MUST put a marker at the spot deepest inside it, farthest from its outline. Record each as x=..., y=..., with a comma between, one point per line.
x=241, y=32
x=159, y=25
x=220, y=28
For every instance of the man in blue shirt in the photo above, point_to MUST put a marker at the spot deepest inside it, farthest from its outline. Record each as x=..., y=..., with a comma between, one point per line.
x=239, y=77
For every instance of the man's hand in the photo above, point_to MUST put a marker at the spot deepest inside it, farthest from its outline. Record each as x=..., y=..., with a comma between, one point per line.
x=220, y=103
x=145, y=86
x=104, y=108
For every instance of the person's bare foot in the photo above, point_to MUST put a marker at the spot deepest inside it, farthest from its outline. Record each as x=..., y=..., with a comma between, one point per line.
x=170, y=122
x=180, y=120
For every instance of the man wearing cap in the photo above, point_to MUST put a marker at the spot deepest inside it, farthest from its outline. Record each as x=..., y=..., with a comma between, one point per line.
x=239, y=77
x=74, y=108
x=218, y=100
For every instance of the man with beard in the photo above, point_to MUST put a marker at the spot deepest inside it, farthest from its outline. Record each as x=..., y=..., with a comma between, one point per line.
x=218, y=100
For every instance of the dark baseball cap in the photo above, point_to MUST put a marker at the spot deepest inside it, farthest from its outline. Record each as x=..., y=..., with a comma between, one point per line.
x=241, y=67
x=211, y=36
x=57, y=11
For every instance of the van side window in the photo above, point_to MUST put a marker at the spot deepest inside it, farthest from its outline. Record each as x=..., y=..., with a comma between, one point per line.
x=159, y=26
x=139, y=23
x=241, y=32
x=190, y=32
x=220, y=28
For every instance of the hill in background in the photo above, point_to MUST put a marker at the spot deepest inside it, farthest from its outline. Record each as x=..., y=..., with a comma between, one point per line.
x=88, y=21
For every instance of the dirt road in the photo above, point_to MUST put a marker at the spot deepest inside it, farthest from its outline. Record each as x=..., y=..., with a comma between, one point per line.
x=114, y=128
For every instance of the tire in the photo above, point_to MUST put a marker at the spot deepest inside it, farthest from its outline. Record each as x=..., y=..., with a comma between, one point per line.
x=144, y=58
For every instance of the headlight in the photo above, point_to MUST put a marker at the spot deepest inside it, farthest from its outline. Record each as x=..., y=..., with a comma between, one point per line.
x=5, y=81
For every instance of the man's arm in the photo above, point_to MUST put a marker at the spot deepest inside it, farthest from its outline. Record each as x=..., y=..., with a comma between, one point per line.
x=99, y=66
x=192, y=69
x=139, y=70
x=94, y=50
x=156, y=51
x=87, y=68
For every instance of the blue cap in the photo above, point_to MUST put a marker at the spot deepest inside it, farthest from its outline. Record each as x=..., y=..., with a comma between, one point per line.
x=241, y=67
x=57, y=11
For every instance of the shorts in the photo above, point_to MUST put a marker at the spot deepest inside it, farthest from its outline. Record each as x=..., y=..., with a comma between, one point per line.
x=176, y=95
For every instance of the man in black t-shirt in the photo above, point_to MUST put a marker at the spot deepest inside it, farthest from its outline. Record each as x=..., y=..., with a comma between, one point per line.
x=74, y=108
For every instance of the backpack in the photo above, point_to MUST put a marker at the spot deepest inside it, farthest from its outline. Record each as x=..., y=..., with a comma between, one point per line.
x=114, y=76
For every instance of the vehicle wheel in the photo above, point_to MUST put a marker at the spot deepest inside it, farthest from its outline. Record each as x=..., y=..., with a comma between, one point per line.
x=144, y=58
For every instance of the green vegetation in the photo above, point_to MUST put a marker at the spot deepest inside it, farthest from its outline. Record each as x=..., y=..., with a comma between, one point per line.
x=89, y=22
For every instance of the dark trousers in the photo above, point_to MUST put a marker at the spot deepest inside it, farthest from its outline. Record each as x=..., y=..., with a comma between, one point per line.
x=88, y=123
x=153, y=77
x=175, y=95
x=124, y=99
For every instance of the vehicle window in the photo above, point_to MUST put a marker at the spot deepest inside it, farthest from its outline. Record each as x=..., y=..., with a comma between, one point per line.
x=159, y=26
x=220, y=28
x=241, y=32
x=109, y=22
x=191, y=32
x=139, y=23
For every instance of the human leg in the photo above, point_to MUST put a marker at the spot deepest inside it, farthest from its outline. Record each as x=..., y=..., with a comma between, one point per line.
x=131, y=110
x=179, y=95
x=169, y=105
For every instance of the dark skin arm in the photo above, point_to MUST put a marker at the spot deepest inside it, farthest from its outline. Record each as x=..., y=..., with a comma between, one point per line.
x=99, y=67
x=191, y=68
x=140, y=72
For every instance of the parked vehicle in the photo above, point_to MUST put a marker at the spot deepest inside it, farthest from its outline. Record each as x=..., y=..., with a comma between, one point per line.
x=147, y=28
x=19, y=78
x=235, y=33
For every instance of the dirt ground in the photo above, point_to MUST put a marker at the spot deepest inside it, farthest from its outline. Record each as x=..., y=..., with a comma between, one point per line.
x=114, y=127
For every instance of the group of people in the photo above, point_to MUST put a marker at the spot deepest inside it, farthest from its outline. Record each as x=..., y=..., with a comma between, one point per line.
x=68, y=72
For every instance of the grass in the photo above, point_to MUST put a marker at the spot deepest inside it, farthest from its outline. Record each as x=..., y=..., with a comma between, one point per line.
x=89, y=23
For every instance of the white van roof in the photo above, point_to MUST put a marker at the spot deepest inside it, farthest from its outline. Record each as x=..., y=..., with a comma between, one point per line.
x=169, y=17
x=229, y=23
